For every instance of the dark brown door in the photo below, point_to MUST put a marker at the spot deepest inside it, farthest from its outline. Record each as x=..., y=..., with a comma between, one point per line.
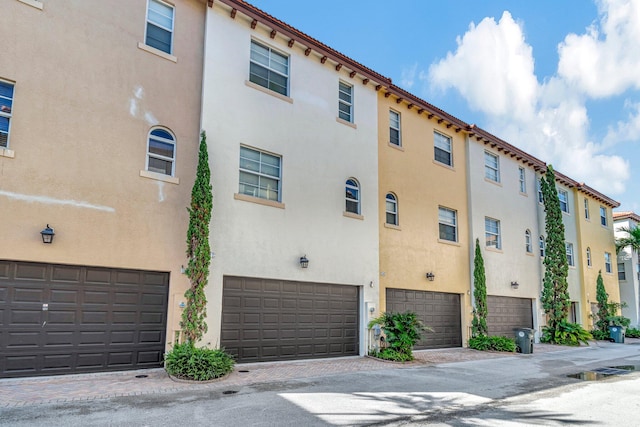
x=265, y=320
x=438, y=310
x=61, y=319
x=504, y=314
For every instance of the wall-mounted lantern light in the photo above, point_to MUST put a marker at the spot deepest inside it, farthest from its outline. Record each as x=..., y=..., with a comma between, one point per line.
x=430, y=276
x=304, y=262
x=514, y=285
x=47, y=234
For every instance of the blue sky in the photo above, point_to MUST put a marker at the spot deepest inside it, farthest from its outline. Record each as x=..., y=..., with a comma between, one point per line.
x=559, y=79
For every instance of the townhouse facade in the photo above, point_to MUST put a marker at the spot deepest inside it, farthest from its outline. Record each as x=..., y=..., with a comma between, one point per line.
x=628, y=268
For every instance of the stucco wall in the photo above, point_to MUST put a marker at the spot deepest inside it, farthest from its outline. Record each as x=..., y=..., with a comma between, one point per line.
x=629, y=288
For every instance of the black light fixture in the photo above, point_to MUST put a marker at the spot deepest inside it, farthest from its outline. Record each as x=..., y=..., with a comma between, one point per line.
x=430, y=276
x=304, y=262
x=47, y=235
x=514, y=285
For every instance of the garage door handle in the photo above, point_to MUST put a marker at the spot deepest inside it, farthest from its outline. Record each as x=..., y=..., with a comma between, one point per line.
x=44, y=323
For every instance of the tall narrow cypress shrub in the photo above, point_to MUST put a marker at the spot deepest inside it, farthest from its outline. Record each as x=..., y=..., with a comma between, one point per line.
x=479, y=323
x=555, y=295
x=193, y=322
x=602, y=324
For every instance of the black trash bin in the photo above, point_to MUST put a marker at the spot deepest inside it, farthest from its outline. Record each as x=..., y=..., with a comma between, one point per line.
x=616, y=333
x=524, y=340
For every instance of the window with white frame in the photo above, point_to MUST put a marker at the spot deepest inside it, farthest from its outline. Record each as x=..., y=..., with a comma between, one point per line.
x=588, y=257
x=569, y=250
x=159, y=32
x=539, y=189
x=527, y=242
x=603, y=216
x=161, y=151
x=269, y=69
x=622, y=275
x=442, y=149
x=541, y=245
x=6, y=106
x=491, y=167
x=345, y=102
x=447, y=224
x=607, y=262
x=492, y=233
x=522, y=179
x=260, y=174
x=391, y=206
x=395, y=137
x=352, y=196
x=563, y=197
x=586, y=208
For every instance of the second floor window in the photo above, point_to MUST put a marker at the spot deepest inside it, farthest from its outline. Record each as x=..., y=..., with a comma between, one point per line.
x=541, y=245
x=6, y=105
x=588, y=257
x=569, y=249
x=259, y=174
x=161, y=152
x=607, y=262
x=622, y=275
x=269, y=68
x=492, y=233
x=527, y=242
x=160, y=26
x=352, y=196
x=447, y=224
x=391, y=204
x=345, y=102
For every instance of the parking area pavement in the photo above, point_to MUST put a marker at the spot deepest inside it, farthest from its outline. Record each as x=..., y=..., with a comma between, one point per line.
x=86, y=387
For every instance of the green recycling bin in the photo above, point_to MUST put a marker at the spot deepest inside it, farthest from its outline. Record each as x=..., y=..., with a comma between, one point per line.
x=524, y=340
x=616, y=333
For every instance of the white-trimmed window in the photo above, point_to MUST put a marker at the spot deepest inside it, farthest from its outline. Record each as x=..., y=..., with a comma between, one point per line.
x=395, y=136
x=541, y=245
x=491, y=166
x=345, y=102
x=443, y=152
x=523, y=180
x=539, y=189
x=586, y=208
x=569, y=250
x=622, y=274
x=447, y=224
x=159, y=32
x=588, y=257
x=563, y=197
x=391, y=207
x=161, y=151
x=352, y=196
x=527, y=242
x=269, y=69
x=260, y=174
x=492, y=233
x=607, y=262
x=6, y=105
x=603, y=216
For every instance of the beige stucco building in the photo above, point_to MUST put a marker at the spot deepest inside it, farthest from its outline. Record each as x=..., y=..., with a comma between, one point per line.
x=99, y=131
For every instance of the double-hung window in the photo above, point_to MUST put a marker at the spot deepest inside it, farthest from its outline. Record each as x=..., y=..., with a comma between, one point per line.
x=588, y=257
x=394, y=128
x=269, y=68
x=522, y=180
x=352, y=196
x=622, y=274
x=6, y=105
x=442, y=149
x=391, y=207
x=607, y=262
x=569, y=250
x=160, y=26
x=541, y=245
x=345, y=102
x=586, y=208
x=527, y=242
x=539, y=188
x=603, y=216
x=447, y=224
x=260, y=174
x=492, y=233
x=563, y=197
x=161, y=152
x=491, y=167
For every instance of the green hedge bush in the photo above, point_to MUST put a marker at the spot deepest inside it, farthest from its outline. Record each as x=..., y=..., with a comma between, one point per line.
x=495, y=343
x=567, y=333
x=632, y=333
x=391, y=354
x=188, y=362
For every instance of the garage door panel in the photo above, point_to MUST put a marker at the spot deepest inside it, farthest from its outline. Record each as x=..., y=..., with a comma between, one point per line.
x=300, y=317
x=99, y=276
x=506, y=313
x=31, y=272
x=65, y=274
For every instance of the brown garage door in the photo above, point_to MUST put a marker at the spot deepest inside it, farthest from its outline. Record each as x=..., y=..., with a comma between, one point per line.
x=506, y=313
x=61, y=319
x=438, y=310
x=265, y=320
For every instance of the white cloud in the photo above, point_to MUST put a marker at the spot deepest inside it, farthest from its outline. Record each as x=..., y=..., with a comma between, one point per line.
x=493, y=69
x=408, y=76
x=625, y=131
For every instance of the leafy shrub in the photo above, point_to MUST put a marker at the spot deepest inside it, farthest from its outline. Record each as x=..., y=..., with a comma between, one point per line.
x=485, y=343
x=391, y=354
x=600, y=335
x=619, y=321
x=402, y=330
x=566, y=334
x=632, y=333
x=186, y=361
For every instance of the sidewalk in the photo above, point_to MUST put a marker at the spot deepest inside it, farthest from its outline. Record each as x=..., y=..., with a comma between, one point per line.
x=87, y=387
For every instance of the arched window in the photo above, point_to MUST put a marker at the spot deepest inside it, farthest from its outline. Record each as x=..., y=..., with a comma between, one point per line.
x=391, y=204
x=527, y=241
x=541, y=243
x=352, y=197
x=589, y=257
x=161, y=151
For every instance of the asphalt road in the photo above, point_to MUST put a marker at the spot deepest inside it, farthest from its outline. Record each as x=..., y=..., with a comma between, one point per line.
x=527, y=390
